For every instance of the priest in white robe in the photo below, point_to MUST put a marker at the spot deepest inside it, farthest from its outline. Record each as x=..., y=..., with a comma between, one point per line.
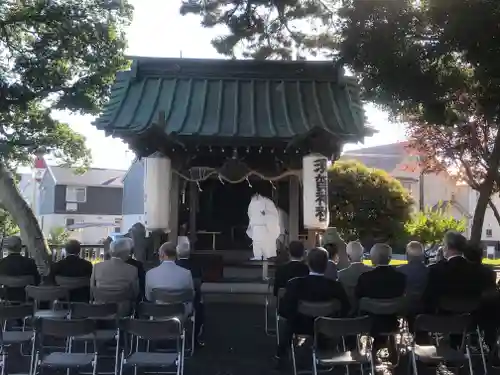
x=263, y=228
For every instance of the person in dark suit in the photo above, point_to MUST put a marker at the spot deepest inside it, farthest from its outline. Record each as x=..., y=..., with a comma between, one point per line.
x=184, y=260
x=141, y=273
x=331, y=269
x=15, y=264
x=73, y=266
x=457, y=277
x=382, y=282
x=295, y=267
x=314, y=287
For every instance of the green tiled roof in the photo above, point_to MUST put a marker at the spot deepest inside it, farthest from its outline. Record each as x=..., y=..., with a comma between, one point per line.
x=228, y=98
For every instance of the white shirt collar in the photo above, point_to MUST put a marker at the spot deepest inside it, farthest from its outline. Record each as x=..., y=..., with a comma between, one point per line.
x=455, y=256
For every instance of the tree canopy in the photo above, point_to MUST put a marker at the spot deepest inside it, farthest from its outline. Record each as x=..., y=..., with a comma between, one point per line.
x=367, y=204
x=55, y=55
x=429, y=63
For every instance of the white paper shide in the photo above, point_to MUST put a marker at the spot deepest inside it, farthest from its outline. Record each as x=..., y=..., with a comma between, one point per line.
x=157, y=182
x=315, y=196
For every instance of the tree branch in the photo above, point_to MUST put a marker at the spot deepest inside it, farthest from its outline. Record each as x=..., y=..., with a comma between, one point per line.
x=495, y=210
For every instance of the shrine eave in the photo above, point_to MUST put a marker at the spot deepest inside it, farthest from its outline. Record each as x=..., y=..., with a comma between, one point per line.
x=224, y=101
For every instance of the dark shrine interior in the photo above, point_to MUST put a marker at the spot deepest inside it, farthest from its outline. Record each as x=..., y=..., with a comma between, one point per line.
x=222, y=207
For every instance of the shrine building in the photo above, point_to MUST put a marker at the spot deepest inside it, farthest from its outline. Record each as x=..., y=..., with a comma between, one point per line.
x=209, y=134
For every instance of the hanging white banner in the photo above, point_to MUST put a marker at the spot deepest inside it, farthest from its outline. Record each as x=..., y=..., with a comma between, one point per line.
x=157, y=183
x=315, y=195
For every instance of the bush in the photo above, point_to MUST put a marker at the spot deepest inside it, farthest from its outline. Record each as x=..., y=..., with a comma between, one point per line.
x=430, y=226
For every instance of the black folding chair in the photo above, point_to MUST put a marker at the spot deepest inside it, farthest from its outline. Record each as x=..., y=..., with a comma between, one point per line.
x=52, y=295
x=281, y=293
x=72, y=283
x=149, y=310
x=389, y=307
x=154, y=330
x=101, y=314
x=313, y=310
x=460, y=306
x=186, y=297
x=15, y=282
x=441, y=351
x=269, y=295
x=340, y=328
x=15, y=337
x=122, y=297
x=64, y=329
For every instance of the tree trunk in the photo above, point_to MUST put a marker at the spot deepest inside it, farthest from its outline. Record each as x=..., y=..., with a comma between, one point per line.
x=495, y=211
x=485, y=190
x=23, y=216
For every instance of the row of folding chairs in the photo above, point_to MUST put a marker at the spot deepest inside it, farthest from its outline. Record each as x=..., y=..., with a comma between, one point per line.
x=402, y=307
x=338, y=329
x=155, y=323
x=58, y=295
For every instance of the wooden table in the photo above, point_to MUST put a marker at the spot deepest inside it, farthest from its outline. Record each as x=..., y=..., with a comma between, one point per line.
x=213, y=234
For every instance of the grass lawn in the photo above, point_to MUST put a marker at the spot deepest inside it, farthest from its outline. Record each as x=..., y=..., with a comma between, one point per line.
x=492, y=262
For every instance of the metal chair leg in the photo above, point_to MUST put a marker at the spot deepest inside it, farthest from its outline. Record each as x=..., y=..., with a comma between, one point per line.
x=481, y=348
x=414, y=363
x=469, y=357
x=314, y=364
x=292, y=352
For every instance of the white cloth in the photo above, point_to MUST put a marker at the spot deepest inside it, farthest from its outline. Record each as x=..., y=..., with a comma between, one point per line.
x=183, y=241
x=263, y=227
x=169, y=275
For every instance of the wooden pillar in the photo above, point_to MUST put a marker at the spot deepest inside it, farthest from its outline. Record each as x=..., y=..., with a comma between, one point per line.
x=294, y=211
x=193, y=200
x=174, y=208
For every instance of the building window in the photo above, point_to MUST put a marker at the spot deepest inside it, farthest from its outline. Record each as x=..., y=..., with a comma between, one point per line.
x=70, y=221
x=407, y=185
x=489, y=233
x=76, y=194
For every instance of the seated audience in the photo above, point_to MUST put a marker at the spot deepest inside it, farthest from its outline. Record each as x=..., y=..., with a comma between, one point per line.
x=349, y=276
x=295, y=267
x=15, y=264
x=73, y=266
x=168, y=275
x=141, y=274
x=332, y=238
x=115, y=274
x=415, y=270
x=382, y=282
x=452, y=279
x=312, y=288
x=184, y=261
x=333, y=257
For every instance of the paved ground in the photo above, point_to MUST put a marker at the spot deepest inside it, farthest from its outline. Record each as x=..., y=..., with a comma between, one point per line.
x=235, y=345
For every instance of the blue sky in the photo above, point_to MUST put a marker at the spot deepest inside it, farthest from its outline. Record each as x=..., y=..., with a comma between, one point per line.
x=159, y=31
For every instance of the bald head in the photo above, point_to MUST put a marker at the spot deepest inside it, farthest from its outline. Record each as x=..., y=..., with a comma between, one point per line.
x=168, y=251
x=380, y=254
x=354, y=251
x=415, y=251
